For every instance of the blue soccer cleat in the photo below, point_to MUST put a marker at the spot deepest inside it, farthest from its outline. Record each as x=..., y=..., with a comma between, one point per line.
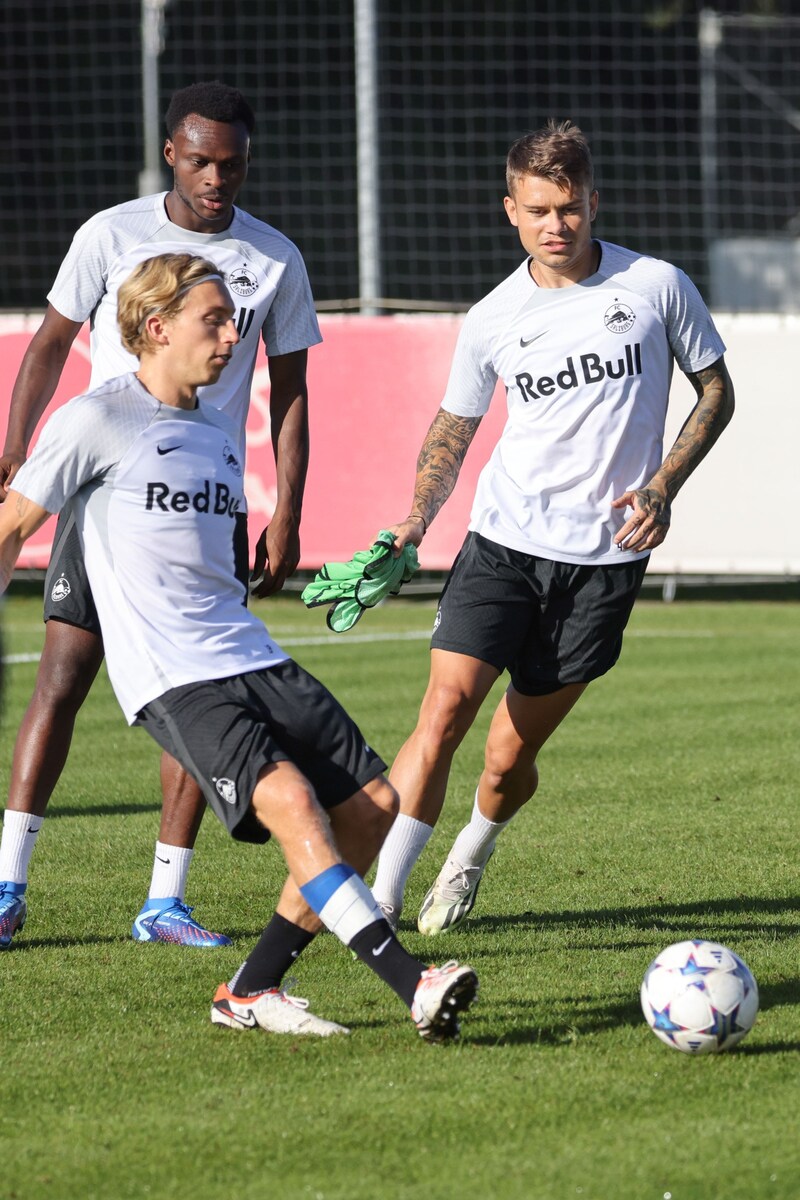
x=171, y=920
x=13, y=911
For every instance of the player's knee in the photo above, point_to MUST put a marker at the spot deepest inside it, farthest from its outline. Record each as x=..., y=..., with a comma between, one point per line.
x=62, y=686
x=372, y=811
x=282, y=800
x=446, y=714
x=506, y=767
x=67, y=669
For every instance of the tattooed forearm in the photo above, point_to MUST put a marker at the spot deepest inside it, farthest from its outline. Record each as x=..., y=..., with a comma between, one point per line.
x=703, y=426
x=439, y=462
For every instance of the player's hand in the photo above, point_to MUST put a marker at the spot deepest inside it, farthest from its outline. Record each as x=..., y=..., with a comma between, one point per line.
x=411, y=530
x=276, y=557
x=649, y=524
x=10, y=463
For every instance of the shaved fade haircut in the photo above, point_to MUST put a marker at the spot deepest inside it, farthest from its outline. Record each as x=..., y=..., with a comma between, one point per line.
x=213, y=101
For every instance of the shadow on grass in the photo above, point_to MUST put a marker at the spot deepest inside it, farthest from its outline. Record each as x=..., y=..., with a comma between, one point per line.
x=578, y=1016
x=769, y=1048
x=101, y=810
x=22, y=942
x=672, y=918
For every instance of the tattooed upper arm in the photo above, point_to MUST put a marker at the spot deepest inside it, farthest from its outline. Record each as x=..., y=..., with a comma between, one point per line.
x=714, y=376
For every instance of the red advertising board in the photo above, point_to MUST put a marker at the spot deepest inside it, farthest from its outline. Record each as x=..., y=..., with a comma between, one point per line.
x=375, y=384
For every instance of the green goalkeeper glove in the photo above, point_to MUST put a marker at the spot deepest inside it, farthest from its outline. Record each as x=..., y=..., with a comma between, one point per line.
x=369, y=577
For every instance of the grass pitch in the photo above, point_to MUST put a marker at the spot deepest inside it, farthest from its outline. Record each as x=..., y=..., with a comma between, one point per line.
x=667, y=809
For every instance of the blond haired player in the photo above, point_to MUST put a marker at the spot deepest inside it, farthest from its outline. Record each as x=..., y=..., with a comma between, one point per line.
x=151, y=468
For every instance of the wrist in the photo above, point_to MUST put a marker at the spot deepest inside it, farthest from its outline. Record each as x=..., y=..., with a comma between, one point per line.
x=415, y=516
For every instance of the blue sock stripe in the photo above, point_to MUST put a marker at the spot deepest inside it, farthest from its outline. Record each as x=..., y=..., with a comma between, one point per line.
x=318, y=891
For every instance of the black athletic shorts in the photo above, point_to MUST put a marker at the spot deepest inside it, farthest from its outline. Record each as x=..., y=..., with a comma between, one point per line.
x=67, y=594
x=548, y=623
x=225, y=731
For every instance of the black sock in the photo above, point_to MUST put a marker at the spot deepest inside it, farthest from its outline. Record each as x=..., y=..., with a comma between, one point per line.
x=271, y=957
x=380, y=950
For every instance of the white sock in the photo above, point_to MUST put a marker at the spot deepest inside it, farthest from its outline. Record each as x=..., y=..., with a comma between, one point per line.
x=20, y=831
x=342, y=901
x=407, y=838
x=476, y=841
x=170, y=868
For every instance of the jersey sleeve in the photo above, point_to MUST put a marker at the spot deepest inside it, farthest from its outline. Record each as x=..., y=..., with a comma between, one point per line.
x=473, y=378
x=291, y=322
x=81, y=280
x=75, y=447
x=692, y=335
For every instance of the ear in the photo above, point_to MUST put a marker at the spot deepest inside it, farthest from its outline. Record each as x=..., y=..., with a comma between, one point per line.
x=510, y=206
x=593, y=202
x=169, y=152
x=156, y=328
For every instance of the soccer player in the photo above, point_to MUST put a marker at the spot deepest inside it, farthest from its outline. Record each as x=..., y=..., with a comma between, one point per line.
x=209, y=126
x=149, y=467
x=583, y=334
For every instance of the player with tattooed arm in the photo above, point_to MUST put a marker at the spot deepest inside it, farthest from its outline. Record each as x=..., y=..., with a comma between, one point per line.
x=576, y=494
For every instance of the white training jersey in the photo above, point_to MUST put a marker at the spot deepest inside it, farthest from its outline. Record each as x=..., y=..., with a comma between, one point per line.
x=587, y=372
x=263, y=271
x=154, y=491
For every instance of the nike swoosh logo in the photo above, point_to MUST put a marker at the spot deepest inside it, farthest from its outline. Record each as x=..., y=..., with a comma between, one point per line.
x=380, y=949
x=249, y=1020
x=168, y=449
x=164, y=860
x=529, y=341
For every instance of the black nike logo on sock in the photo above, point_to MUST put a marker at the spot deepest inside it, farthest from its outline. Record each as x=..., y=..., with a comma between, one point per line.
x=164, y=860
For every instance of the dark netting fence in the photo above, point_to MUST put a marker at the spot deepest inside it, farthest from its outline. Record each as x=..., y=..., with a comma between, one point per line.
x=694, y=116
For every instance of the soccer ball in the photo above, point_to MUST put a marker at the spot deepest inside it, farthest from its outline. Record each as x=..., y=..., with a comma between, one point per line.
x=699, y=997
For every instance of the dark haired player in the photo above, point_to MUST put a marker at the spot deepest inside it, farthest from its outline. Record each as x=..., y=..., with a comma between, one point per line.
x=576, y=494
x=208, y=148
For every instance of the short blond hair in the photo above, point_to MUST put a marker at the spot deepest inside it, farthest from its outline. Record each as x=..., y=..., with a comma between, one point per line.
x=158, y=285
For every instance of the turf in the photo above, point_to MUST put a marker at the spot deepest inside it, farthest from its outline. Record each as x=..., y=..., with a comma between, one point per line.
x=667, y=809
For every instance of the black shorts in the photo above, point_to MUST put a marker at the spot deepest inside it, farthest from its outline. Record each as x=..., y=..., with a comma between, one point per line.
x=225, y=731
x=67, y=594
x=548, y=623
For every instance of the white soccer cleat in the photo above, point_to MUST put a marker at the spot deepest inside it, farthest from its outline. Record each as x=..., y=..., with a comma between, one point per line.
x=451, y=898
x=272, y=1010
x=442, y=993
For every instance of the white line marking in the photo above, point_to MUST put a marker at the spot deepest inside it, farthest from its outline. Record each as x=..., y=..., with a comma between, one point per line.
x=343, y=639
x=410, y=635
